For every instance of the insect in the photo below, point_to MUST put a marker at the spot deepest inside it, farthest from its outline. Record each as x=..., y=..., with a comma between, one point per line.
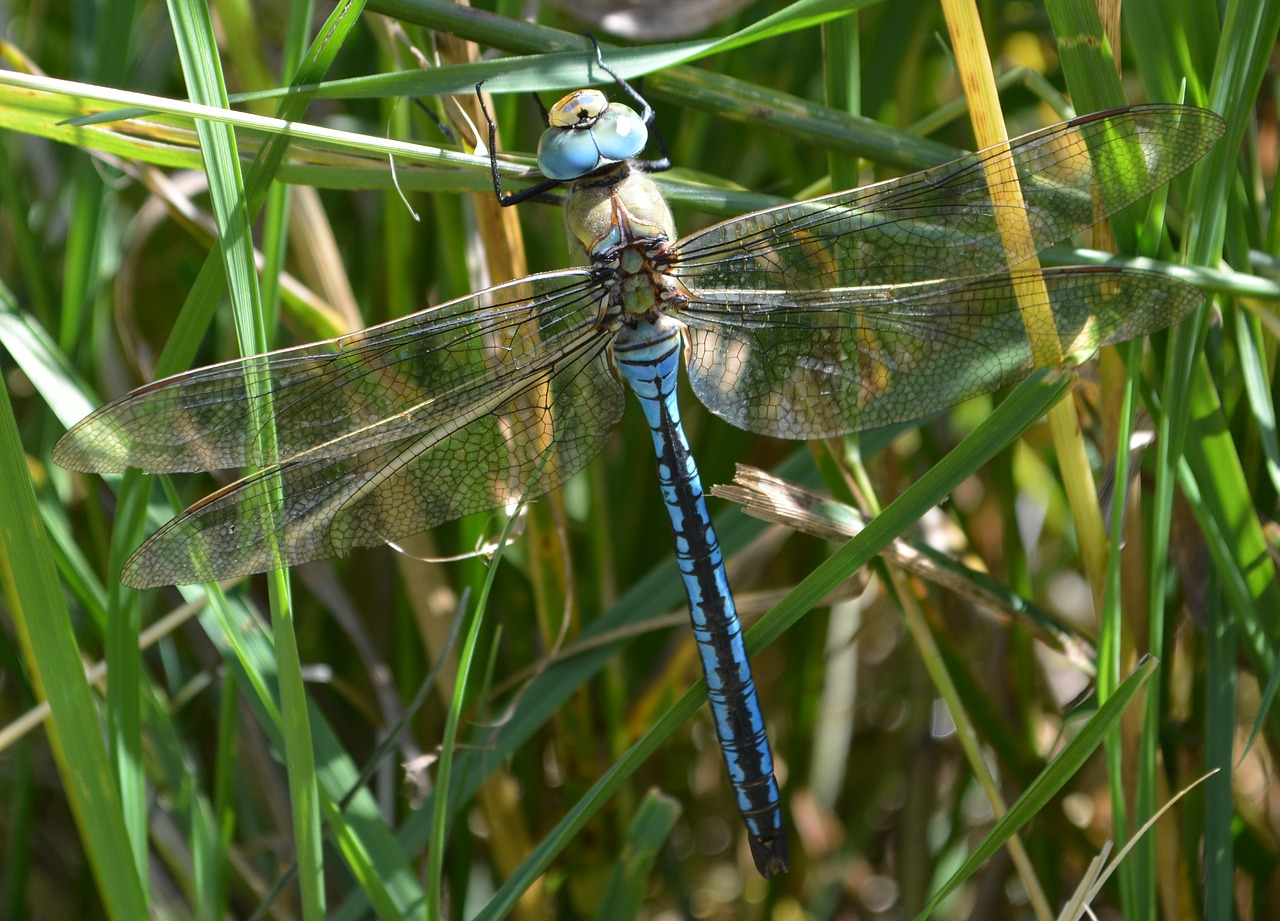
x=858, y=309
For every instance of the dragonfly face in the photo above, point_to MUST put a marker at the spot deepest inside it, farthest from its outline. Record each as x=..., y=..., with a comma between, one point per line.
x=858, y=309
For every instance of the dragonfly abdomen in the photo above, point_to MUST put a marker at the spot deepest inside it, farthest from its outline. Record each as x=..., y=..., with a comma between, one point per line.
x=648, y=356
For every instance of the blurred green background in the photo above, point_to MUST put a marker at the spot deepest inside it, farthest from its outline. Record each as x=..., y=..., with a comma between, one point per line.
x=166, y=789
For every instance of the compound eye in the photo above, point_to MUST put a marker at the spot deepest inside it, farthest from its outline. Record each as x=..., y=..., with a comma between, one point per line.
x=566, y=154
x=578, y=109
x=620, y=133
x=587, y=133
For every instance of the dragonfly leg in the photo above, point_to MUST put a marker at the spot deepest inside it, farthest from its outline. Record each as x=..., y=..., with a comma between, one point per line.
x=507, y=199
x=663, y=163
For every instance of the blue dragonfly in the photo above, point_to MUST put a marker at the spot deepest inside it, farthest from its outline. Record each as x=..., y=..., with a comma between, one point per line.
x=858, y=309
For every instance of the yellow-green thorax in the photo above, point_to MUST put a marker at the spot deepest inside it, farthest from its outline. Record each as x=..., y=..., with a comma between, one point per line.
x=620, y=217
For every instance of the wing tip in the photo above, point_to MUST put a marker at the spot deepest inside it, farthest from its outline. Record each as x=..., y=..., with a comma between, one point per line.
x=89, y=446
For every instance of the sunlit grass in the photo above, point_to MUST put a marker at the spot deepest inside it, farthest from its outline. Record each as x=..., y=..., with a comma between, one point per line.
x=172, y=785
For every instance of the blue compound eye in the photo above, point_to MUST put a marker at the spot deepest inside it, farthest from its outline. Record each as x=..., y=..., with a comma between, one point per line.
x=620, y=133
x=579, y=108
x=567, y=153
x=587, y=132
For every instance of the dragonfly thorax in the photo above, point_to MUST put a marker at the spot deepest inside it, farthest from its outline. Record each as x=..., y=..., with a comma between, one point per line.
x=607, y=213
x=621, y=225
x=638, y=286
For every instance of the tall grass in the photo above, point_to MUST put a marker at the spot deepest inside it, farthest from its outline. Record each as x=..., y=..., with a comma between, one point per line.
x=256, y=749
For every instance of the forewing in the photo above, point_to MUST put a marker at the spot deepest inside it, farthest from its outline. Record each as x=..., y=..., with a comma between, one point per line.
x=942, y=222
x=334, y=399
x=552, y=417
x=833, y=362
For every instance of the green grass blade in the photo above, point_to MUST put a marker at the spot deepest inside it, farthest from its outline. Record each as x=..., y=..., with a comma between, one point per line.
x=1220, y=717
x=624, y=892
x=197, y=48
x=34, y=598
x=1055, y=775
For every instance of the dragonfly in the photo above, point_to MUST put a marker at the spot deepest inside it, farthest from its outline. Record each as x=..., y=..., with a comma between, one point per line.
x=858, y=309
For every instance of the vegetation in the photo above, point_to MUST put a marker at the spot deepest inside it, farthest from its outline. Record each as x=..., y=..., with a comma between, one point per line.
x=279, y=747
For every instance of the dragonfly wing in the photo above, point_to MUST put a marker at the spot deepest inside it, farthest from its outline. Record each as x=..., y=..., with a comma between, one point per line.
x=838, y=361
x=545, y=423
x=942, y=222
x=336, y=398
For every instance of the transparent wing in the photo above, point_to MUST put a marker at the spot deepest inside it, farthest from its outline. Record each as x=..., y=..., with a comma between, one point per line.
x=942, y=222
x=381, y=385
x=388, y=432
x=832, y=362
x=317, y=508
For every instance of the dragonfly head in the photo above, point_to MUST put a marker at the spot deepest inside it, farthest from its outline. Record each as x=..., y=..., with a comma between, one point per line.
x=586, y=132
